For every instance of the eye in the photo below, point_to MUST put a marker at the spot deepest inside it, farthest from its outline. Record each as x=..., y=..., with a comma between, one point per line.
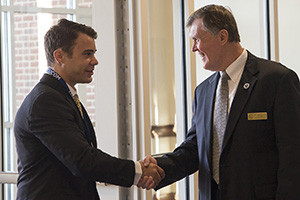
x=88, y=53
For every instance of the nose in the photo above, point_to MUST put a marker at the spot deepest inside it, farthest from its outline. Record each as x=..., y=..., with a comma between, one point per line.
x=194, y=47
x=95, y=61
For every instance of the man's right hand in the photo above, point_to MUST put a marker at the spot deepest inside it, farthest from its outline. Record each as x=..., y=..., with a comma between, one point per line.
x=152, y=173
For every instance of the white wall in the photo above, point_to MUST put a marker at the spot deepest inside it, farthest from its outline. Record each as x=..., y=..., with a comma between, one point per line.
x=289, y=27
x=106, y=119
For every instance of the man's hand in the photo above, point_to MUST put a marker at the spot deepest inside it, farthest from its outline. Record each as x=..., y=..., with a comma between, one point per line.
x=152, y=174
x=149, y=160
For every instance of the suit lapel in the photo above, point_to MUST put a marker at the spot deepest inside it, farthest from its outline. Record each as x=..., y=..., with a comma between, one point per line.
x=56, y=85
x=89, y=129
x=242, y=95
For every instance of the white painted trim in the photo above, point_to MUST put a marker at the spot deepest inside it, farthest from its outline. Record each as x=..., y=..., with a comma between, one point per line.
x=10, y=178
x=274, y=38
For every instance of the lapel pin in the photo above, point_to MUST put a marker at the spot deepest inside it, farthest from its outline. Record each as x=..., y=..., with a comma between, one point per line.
x=246, y=86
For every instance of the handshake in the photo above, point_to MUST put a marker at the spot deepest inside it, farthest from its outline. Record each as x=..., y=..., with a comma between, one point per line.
x=152, y=173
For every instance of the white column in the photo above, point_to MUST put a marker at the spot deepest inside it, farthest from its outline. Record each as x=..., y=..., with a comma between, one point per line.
x=105, y=78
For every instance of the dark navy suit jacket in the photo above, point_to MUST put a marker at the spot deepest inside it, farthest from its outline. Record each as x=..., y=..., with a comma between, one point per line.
x=260, y=158
x=55, y=159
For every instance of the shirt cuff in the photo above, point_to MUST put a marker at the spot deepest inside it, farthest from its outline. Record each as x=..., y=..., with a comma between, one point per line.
x=138, y=173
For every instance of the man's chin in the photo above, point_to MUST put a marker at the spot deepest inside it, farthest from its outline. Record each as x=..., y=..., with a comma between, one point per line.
x=206, y=67
x=86, y=81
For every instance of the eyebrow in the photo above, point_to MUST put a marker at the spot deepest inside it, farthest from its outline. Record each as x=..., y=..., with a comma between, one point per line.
x=89, y=51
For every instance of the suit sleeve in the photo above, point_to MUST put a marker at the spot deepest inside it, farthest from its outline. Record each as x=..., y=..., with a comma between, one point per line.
x=183, y=161
x=287, y=131
x=53, y=120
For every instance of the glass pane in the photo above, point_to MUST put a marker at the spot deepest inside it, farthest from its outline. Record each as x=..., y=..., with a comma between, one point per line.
x=288, y=25
x=10, y=160
x=4, y=2
x=85, y=3
x=30, y=60
x=10, y=191
x=44, y=3
x=6, y=68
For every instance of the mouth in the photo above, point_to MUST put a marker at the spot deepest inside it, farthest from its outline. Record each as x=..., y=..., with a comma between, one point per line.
x=201, y=54
x=90, y=72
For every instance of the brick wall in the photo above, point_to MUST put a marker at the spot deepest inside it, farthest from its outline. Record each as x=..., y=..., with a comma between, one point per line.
x=27, y=3
x=26, y=54
x=85, y=3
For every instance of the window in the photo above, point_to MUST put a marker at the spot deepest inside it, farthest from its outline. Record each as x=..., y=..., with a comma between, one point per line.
x=23, y=62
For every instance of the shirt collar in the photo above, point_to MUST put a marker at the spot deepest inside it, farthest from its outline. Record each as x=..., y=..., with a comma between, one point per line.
x=72, y=90
x=237, y=67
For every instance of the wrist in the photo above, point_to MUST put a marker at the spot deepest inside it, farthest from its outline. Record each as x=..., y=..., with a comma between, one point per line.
x=142, y=166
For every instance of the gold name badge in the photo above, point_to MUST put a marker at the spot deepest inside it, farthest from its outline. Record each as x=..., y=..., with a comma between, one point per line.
x=258, y=116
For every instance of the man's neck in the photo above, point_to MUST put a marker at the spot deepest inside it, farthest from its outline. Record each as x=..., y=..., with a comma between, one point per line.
x=231, y=53
x=60, y=72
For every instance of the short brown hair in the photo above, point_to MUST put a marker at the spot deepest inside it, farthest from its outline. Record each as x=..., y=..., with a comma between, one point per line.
x=216, y=18
x=63, y=35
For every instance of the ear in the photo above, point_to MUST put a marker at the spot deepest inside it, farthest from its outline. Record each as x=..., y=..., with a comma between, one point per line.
x=223, y=37
x=59, y=56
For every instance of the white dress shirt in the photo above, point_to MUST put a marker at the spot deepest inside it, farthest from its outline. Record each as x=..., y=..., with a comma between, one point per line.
x=235, y=71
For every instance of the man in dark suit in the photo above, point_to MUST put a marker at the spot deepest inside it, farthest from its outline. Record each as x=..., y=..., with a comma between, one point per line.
x=56, y=144
x=259, y=148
